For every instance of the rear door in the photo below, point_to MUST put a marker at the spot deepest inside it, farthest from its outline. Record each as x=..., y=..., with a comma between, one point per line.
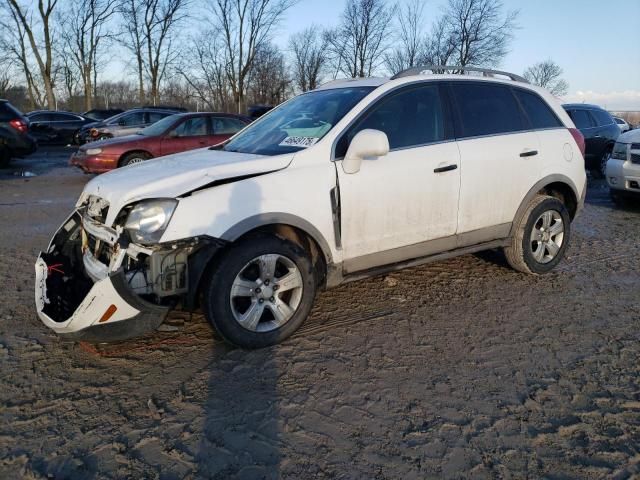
x=500, y=159
x=191, y=133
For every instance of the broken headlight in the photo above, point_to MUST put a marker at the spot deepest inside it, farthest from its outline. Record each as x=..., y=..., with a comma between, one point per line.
x=148, y=220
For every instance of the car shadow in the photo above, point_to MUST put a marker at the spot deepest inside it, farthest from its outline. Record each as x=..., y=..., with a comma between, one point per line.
x=598, y=195
x=240, y=435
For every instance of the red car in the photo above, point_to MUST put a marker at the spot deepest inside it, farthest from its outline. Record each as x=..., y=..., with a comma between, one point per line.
x=173, y=134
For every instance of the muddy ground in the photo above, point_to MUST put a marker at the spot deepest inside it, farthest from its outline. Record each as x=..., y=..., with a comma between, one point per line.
x=462, y=368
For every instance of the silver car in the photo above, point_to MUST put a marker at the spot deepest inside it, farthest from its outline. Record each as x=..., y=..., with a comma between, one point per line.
x=125, y=123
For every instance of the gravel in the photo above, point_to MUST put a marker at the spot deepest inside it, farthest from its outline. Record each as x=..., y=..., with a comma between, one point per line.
x=462, y=368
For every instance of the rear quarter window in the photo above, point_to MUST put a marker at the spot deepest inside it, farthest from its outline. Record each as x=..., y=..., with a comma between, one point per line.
x=487, y=109
x=539, y=113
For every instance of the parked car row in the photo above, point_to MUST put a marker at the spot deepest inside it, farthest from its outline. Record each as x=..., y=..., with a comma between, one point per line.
x=172, y=134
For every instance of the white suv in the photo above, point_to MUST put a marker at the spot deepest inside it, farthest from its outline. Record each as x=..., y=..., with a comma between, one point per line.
x=356, y=178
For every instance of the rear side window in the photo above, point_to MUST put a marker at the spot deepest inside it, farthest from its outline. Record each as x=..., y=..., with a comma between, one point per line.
x=581, y=118
x=602, y=117
x=487, y=109
x=539, y=113
x=410, y=118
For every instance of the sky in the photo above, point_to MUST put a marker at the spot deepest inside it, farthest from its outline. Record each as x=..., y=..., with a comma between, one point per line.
x=596, y=42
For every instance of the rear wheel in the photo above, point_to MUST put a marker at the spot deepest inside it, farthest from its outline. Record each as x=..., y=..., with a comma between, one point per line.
x=260, y=291
x=541, y=237
x=134, y=157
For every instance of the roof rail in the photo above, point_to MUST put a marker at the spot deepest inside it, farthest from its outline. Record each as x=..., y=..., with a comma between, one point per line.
x=435, y=69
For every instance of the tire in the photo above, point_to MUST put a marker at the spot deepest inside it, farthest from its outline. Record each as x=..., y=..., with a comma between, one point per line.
x=244, y=316
x=531, y=250
x=133, y=158
x=617, y=198
x=601, y=170
x=5, y=156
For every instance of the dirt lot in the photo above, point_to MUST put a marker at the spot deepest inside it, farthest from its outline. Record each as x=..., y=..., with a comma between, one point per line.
x=463, y=368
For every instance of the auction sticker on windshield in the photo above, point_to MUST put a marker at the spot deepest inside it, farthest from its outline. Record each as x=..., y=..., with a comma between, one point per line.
x=303, y=142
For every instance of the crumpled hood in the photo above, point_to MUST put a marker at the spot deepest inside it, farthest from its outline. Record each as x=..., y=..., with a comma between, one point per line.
x=175, y=175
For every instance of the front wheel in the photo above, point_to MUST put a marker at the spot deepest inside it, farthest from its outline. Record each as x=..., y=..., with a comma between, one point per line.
x=260, y=291
x=601, y=171
x=541, y=237
x=133, y=158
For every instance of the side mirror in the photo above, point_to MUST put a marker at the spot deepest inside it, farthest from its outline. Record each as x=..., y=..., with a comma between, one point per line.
x=366, y=144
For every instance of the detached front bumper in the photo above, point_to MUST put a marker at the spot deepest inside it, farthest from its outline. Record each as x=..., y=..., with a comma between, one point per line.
x=79, y=307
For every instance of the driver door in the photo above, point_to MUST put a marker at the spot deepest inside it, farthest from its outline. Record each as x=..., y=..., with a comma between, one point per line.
x=403, y=205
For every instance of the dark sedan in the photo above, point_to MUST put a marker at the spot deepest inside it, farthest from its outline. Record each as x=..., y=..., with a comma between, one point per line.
x=600, y=132
x=49, y=126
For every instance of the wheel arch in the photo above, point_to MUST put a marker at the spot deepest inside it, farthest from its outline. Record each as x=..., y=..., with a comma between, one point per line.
x=559, y=186
x=283, y=224
x=129, y=152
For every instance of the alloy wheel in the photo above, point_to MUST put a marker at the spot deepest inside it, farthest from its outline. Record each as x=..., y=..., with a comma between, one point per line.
x=266, y=293
x=547, y=236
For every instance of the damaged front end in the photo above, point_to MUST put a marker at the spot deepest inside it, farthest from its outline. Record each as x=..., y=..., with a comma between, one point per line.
x=94, y=284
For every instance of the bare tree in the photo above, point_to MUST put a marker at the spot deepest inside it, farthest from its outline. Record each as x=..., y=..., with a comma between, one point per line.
x=268, y=81
x=246, y=25
x=150, y=26
x=358, y=44
x=547, y=74
x=204, y=69
x=474, y=32
x=410, y=44
x=15, y=52
x=24, y=16
x=84, y=32
x=309, y=52
x=440, y=45
x=133, y=39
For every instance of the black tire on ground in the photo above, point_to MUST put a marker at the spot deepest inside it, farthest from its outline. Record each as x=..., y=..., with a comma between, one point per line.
x=520, y=254
x=217, y=300
x=618, y=198
x=5, y=156
x=600, y=171
x=134, y=157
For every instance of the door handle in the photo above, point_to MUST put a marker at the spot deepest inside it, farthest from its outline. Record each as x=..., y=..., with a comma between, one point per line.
x=448, y=168
x=597, y=136
x=529, y=153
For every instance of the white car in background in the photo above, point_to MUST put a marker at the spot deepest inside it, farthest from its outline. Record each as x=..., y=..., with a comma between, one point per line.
x=623, y=167
x=622, y=124
x=356, y=178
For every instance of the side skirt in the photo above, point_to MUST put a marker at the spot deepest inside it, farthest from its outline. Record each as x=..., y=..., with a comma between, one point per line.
x=416, y=262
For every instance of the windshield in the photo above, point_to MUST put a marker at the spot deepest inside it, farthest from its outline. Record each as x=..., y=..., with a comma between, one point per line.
x=297, y=124
x=159, y=127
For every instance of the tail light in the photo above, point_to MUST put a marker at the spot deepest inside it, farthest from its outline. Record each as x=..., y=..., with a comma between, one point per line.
x=19, y=125
x=579, y=138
